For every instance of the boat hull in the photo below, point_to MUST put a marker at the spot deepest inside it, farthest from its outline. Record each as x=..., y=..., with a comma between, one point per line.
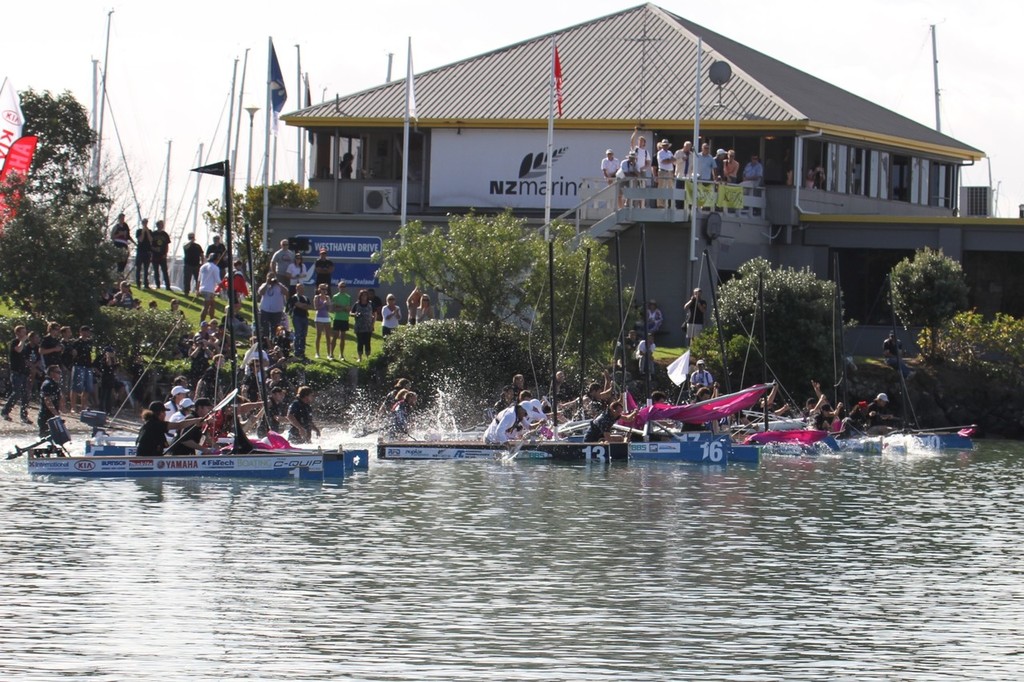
x=900, y=443
x=563, y=451
x=277, y=464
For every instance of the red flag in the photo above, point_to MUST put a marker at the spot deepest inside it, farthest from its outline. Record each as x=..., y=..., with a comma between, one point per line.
x=558, y=82
x=19, y=160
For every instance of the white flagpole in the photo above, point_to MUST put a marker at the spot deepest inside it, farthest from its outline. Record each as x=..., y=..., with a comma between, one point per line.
x=694, y=210
x=405, y=135
x=298, y=129
x=266, y=153
x=551, y=145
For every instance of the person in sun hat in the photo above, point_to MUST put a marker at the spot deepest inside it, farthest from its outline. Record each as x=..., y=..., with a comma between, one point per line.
x=609, y=166
x=178, y=394
x=666, y=161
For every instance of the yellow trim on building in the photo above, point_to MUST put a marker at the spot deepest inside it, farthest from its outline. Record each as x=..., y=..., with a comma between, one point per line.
x=908, y=220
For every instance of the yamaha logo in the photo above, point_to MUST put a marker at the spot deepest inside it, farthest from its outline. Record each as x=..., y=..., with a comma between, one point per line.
x=12, y=117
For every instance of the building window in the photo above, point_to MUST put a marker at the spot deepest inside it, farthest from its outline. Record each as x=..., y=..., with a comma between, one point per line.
x=901, y=177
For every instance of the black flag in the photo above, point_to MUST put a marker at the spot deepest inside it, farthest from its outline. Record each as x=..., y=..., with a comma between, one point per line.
x=219, y=168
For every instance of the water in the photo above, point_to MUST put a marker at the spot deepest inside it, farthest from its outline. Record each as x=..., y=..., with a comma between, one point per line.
x=850, y=567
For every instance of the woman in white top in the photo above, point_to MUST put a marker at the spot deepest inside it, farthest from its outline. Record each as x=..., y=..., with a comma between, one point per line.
x=425, y=313
x=298, y=273
x=391, y=315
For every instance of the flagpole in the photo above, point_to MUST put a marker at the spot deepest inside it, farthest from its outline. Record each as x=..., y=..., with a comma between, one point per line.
x=266, y=152
x=231, y=115
x=405, y=135
x=238, y=122
x=551, y=144
x=298, y=130
x=98, y=158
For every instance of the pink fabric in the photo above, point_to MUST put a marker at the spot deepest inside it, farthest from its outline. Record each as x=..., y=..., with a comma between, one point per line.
x=802, y=436
x=630, y=403
x=707, y=410
x=274, y=441
x=967, y=432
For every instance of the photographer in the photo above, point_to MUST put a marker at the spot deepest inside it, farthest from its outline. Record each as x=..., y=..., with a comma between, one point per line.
x=694, y=310
x=273, y=297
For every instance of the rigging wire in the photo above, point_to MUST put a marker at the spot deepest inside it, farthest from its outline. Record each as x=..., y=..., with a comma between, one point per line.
x=152, y=359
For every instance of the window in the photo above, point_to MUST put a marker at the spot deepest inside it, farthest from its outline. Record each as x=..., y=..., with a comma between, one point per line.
x=901, y=177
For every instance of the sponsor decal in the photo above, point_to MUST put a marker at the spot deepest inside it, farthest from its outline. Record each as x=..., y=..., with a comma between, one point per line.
x=12, y=117
x=306, y=462
x=177, y=464
x=49, y=465
x=142, y=464
x=108, y=464
x=530, y=179
x=85, y=465
x=218, y=463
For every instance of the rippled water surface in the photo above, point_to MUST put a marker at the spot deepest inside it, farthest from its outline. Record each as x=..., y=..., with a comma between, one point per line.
x=835, y=568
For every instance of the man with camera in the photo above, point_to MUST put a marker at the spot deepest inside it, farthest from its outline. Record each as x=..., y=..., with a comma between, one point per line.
x=694, y=310
x=273, y=297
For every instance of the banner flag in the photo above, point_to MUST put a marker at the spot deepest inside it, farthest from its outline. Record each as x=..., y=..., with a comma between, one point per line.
x=558, y=82
x=219, y=168
x=679, y=370
x=278, y=92
x=11, y=119
x=17, y=162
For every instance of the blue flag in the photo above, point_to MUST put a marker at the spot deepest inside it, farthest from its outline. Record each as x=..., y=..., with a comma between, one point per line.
x=275, y=83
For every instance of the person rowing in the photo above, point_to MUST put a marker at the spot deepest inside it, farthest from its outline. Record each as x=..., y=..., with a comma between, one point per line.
x=152, y=438
x=601, y=427
x=509, y=424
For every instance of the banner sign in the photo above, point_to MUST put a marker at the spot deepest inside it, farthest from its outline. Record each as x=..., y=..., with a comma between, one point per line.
x=351, y=256
x=506, y=168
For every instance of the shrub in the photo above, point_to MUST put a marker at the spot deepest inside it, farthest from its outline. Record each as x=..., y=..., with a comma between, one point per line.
x=993, y=349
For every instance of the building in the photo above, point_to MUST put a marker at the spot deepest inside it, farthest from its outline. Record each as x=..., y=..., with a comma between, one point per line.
x=844, y=180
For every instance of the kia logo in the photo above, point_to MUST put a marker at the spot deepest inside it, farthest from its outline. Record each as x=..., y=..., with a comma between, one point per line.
x=85, y=466
x=12, y=117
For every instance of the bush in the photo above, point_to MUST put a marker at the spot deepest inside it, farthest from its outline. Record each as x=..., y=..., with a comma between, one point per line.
x=992, y=349
x=149, y=333
x=467, y=361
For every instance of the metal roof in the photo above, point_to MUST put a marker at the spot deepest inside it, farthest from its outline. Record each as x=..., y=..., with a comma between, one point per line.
x=621, y=69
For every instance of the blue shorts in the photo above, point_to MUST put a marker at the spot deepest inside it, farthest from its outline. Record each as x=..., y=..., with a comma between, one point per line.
x=81, y=379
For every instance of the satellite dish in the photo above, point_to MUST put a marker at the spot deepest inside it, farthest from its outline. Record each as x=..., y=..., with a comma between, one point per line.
x=713, y=226
x=720, y=73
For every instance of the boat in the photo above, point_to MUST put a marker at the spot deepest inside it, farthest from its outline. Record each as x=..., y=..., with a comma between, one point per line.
x=904, y=441
x=114, y=456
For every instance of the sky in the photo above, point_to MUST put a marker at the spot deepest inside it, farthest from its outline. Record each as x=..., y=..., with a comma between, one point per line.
x=169, y=68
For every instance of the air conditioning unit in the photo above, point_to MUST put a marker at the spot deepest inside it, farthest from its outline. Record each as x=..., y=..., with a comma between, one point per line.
x=975, y=202
x=379, y=200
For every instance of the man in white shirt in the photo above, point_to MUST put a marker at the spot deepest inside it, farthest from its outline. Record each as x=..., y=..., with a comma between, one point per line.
x=609, y=166
x=666, y=169
x=280, y=261
x=701, y=378
x=209, y=278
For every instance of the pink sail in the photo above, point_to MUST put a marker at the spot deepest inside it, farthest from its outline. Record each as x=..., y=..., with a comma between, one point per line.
x=704, y=411
x=801, y=436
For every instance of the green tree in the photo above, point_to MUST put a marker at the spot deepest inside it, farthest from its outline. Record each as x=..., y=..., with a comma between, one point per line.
x=57, y=260
x=60, y=166
x=248, y=209
x=798, y=310
x=496, y=270
x=928, y=291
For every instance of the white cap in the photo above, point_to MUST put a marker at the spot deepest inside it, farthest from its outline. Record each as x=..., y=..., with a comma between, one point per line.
x=883, y=397
x=179, y=390
x=186, y=403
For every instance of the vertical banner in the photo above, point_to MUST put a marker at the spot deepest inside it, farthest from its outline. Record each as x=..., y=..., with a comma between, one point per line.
x=11, y=119
x=18, y=160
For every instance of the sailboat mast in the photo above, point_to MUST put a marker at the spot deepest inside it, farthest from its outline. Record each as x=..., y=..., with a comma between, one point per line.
x=167, y=183
x=764, y=342
x=935, y=72
x=97, y=158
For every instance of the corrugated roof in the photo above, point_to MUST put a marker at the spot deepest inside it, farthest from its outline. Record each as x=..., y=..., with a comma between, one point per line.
x=631, y=66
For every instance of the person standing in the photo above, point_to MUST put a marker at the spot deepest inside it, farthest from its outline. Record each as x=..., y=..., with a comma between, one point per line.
x=629, y=171
x=323, y=269
x=705, y=164
x=17, y=361
x=365, y=316
x=666, y=169
x=391, y=316
x=217, y=249
x=51, y=400
x=273, y=296
x=193, y=260
x=412, y=305
x=684, y=166
x=299, y=304
x=143, y=254
x=209, y=278
x=161, y=242
x=694, y=310
x=120, y=236
x=322, y=306
x=609, y=166
x=753, y=172
x=341, y=304
x=81, y=369
x=426, y=311
x=282, y=259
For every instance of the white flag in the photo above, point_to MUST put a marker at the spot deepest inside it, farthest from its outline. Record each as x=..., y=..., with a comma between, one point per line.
x=680, y=369
x=11, y=119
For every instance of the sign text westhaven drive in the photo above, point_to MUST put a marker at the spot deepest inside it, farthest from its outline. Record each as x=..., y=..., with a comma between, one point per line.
x=351, y=256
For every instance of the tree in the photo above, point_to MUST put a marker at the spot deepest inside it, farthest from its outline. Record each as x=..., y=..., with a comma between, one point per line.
x=495, y=269
x=798, y=309
x=248, y=209
x=60, y=167
x=57, y=260
x=928, y=291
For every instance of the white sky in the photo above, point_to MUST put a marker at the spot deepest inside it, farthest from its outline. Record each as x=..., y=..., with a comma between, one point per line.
x=170, y=65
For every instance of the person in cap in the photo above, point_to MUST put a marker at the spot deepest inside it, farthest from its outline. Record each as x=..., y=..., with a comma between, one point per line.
x=609, y=166
x=190, y=441
x=654, y=317
x=701, y=377
x=323, y=269
x=629, y=170
x=880, y=418
x=719, y=171
x=178, y=394
x=666, y=169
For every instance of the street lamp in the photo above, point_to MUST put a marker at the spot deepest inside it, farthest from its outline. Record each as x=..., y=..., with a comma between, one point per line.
x=248, y=168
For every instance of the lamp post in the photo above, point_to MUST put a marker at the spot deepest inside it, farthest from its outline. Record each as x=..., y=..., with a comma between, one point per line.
x=248, y=167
